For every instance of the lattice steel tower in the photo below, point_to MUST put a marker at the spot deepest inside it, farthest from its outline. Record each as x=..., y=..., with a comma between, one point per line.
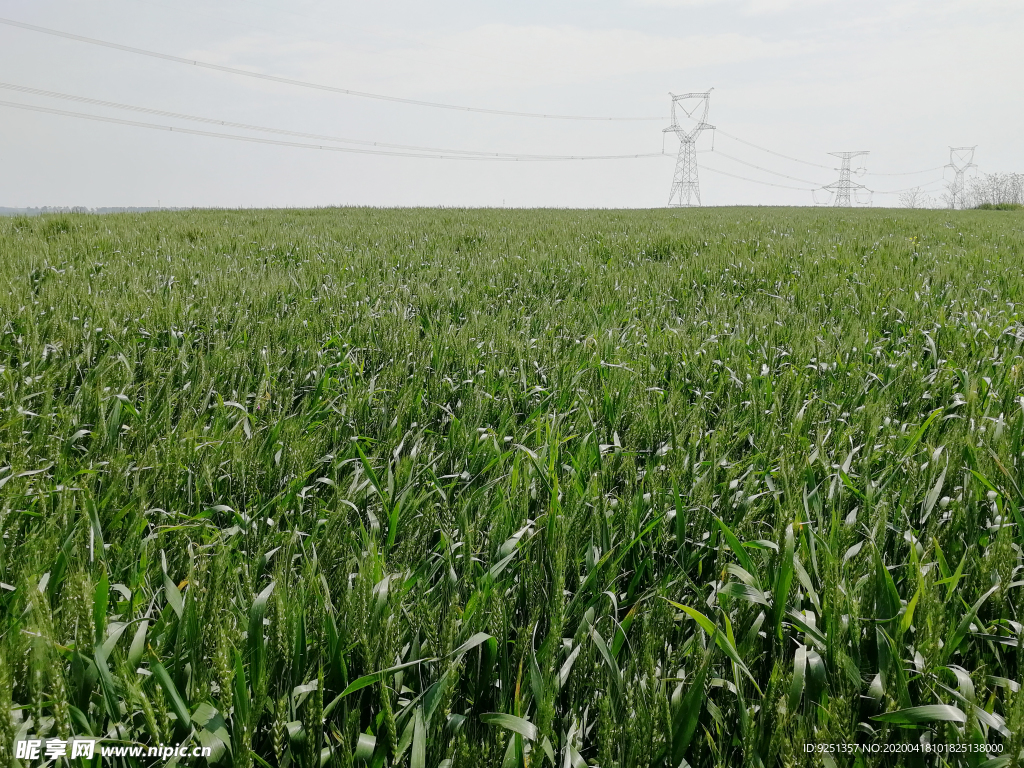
x=685, y=184
x=960, y=160
x=844, y=186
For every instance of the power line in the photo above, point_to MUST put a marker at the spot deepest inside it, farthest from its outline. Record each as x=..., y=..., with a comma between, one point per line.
x=353, y=150
x=906, y=173
x=264, y=129
x=384, y=97
x=773, y=152
x=766, y=170
x=755, y=181
x=900, y=191
x=819, y=165
x=391, y=153
x=364, y=142
x=363, y=31
x=304, y=83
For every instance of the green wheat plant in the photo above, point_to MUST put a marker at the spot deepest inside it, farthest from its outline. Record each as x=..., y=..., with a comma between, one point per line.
x=449, y=489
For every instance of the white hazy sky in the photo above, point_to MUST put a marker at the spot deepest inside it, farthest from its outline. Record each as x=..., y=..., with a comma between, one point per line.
x=904, y=79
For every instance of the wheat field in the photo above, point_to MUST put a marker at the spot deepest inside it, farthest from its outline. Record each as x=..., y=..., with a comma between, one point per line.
x=451, y=488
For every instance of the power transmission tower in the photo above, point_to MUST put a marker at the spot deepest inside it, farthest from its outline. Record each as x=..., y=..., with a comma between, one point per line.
x=844, y=186
x=960, y=160
x=685, y=191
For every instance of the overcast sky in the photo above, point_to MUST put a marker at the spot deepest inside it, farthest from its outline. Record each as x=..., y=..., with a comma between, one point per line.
x=904, y=79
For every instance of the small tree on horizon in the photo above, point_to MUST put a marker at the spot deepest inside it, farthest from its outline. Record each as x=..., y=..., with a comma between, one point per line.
x=916, y=198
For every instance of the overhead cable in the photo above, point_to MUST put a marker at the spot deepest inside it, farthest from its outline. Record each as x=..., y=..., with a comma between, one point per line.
x=758, y=167
x=773, y=152
x=300, y=145
x=819, y=165
x=908, y=189
x=905, y=173
x=755, y=181
x=264, y=129
x=305, y=83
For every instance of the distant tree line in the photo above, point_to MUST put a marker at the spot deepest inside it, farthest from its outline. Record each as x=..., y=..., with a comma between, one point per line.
x=994, y=189
x=990, y=190
x=75, y=209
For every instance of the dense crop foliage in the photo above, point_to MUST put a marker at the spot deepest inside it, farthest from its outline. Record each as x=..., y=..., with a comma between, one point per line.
x=449, y=488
